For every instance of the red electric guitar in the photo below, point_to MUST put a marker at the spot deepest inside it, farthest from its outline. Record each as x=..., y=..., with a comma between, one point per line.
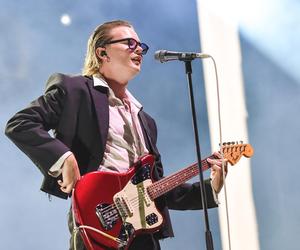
x=110, y=209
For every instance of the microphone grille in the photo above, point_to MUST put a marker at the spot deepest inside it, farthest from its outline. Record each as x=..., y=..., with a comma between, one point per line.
x=159, y=55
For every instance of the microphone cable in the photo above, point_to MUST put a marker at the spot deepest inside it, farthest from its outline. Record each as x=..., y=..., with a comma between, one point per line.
x=221, y=147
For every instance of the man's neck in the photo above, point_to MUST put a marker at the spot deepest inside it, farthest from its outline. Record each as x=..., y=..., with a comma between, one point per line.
x=119, y=89
x=118, y=85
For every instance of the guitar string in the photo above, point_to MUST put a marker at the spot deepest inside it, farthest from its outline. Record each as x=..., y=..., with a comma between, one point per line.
x=113, y=207
x=135, y=200
x=111, y=211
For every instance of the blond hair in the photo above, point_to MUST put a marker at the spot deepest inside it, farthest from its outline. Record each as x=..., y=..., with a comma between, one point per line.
x=98, y=38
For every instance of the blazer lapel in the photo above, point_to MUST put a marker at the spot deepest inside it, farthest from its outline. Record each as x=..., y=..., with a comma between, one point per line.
x=146, y=131
x=100, y=101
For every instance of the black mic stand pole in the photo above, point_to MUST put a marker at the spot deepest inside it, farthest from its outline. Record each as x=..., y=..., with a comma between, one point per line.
x=208, y=235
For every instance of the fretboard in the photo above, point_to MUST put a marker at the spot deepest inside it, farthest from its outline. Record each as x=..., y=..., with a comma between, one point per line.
x=168, y=183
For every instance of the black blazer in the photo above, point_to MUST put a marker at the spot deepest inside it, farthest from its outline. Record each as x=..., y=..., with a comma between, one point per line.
x=78, y=114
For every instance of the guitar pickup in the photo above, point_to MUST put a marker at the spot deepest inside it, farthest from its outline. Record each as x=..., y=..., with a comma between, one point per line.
x=123, y=205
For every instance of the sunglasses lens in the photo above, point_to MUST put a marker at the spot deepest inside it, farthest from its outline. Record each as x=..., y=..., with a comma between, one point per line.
x=132, y=44
x=145, y=48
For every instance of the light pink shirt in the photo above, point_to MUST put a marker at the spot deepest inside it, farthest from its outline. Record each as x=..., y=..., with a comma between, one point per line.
x=125, y=142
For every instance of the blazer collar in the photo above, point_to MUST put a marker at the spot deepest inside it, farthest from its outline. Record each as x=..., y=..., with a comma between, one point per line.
x=99, y=96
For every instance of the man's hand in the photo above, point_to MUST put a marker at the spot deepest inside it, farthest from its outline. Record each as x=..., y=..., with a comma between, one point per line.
x=70, y=174
x=216, y=174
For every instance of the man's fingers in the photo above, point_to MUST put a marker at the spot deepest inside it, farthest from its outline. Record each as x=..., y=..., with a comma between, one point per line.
x=60, y=182
x=66, y=188
x=216, y=165
x=217, y=154
x=215, y=161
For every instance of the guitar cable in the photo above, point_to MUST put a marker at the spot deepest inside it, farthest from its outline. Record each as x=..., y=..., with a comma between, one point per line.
x=76, y=229
x=221, y=149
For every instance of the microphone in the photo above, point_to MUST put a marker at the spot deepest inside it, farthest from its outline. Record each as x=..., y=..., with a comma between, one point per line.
x=165, y=56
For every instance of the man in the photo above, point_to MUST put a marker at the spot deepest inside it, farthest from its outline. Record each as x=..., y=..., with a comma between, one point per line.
x=99, y=125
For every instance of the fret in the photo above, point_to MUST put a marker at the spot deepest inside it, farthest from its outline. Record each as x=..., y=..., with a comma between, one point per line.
x=168, y=183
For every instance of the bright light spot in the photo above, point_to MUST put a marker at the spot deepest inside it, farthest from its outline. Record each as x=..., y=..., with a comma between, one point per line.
x=65, y=20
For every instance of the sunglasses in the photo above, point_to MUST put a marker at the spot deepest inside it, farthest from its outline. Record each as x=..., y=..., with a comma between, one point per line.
x=132, y=44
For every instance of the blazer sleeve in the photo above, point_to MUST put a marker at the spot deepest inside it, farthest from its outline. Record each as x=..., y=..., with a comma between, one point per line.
x=188, y=197
x=28, y=128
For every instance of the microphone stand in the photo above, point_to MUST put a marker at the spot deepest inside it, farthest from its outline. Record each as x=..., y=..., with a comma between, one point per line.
x=208, y=235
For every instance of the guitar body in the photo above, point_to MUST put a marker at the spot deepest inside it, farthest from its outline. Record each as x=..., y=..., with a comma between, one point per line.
x=116, y=204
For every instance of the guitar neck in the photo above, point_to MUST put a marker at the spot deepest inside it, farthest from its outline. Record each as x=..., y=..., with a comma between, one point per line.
x=232, y=153
x=168, y=183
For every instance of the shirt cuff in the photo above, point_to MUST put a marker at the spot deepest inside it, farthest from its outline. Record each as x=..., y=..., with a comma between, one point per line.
x=55, y=170
x=215, y=194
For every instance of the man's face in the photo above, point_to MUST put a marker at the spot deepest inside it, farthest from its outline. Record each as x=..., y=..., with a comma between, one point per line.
x=121, y=63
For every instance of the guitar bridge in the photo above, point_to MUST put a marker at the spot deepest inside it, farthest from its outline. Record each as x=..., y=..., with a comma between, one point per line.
x=123, y=206
x=107, y=215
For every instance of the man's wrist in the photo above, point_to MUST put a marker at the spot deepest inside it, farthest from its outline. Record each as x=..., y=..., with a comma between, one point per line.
x=56, y=170
x=215, y=194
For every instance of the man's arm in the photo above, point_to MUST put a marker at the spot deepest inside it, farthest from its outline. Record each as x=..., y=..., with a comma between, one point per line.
x=28, y=128
x=188, y=196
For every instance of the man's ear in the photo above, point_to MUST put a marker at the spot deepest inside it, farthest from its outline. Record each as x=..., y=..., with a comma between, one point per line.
x=100, y=52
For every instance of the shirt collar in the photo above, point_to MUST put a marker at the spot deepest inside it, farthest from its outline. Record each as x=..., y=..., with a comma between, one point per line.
x=101, y=82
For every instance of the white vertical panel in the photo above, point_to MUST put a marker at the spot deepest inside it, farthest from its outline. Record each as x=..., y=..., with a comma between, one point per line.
x=219, y=38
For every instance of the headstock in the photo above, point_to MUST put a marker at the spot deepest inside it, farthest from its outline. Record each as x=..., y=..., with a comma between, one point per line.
x=233, y=151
